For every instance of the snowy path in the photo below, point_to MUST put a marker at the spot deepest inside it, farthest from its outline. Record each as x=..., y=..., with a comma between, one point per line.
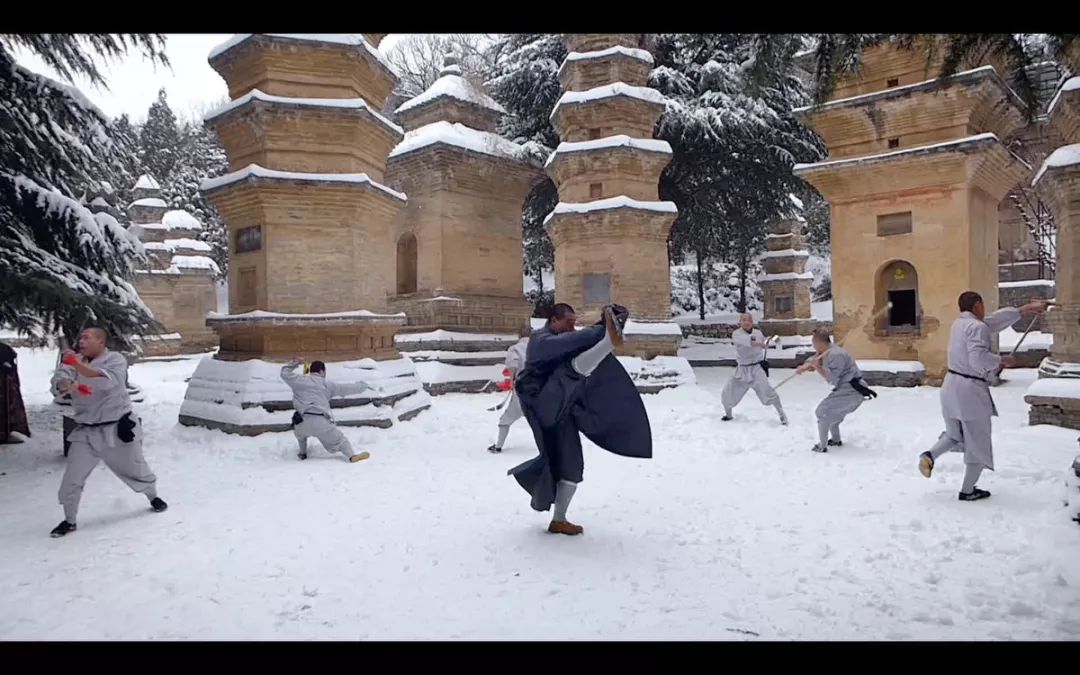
x=721, y=536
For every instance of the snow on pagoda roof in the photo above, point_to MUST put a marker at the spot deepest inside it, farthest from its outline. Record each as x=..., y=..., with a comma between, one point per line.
x=1072, y=84
x=351, y=39
x=909, y=88
x=256, y=171
x=620, y=140
x=452, y=85
x=149, y=201
x=257, y=95
x=619, y=202
x=460, y=136
x=1066, y=155
x=147, y=182
x=639, y=54
x=968, y=140
x=180, y=220
x=609, y=91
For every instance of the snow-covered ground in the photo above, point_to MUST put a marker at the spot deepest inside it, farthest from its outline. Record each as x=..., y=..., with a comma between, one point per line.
x=733, y=531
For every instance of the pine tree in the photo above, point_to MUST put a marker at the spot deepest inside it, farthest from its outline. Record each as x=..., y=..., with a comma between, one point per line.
x=524, y=80
x=160, y=139
x=200, y=156
x=63, y=266
x=734, y=141
x=123, y=177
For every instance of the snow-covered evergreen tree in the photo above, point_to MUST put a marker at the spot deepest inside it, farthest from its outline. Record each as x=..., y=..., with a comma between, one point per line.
x=160, y=139
x=201, y=156
x=62, y=266
x=524, y=80
x=734, y=141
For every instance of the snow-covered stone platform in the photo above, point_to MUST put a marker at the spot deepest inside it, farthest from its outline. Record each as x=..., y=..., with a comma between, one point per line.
x=250, y=398
x=456, y=362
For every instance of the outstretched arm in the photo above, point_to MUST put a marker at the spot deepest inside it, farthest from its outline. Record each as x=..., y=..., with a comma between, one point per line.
x=551, y=347
x=288, y=371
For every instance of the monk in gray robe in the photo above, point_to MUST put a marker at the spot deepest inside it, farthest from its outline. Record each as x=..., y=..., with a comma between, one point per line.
x=311, y=401
x=966, y=403
x=839, y=369
x=106, y=429
x=515, y=361
x=751, y=371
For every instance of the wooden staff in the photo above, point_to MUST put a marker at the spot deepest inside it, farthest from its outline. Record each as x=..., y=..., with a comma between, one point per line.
x=1031, y=325
x=887, y=307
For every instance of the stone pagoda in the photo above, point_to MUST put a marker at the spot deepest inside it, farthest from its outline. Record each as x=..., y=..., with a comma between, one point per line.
x=609, y=229
x=785, y=282
x=1055, y=397
x=458, y=240
x=915, y=174
x=177, y=284
x=310, y=231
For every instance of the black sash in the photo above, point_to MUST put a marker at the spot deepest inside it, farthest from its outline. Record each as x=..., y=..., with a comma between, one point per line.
x=297, y=418
x=764, y=366
x=970, y=377
x=866, y=391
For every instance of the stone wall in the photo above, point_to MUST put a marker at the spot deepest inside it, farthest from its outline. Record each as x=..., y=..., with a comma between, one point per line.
x=466, y=313
x=1009, y=296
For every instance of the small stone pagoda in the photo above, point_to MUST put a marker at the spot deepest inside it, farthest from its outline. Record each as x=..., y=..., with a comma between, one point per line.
x=785, y=282
x=609, y=229
x=178, y=283
x=458, y=241
x=915, y=174
x=1055, y=397
x=310, y=231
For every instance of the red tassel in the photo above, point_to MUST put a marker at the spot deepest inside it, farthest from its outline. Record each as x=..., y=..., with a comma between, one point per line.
x=505, y=385
x=70, y=360
x=84, y=389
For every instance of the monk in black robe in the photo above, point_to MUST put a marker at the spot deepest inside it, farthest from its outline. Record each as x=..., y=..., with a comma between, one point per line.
x=12, y=410
x=573, y=384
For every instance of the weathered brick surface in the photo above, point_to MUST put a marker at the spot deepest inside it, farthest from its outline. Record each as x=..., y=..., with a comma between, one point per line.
x=326, y=247
x=447, y=109
x=606, y=117
x=293, y=68
x=305, y=139
x=581, y=75
x=619, y=171
x=339, y=340
x=630, y=245
x=1015, y=297
x=464, y=210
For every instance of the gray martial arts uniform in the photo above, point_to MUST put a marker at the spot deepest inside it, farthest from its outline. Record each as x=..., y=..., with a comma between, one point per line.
x=966, y=403
x=515, y=359
x=311, y=398
x=749, y=373
x=840, y=370
x=95, y=438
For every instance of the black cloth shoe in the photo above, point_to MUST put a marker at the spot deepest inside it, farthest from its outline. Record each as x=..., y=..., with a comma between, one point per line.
x=975, y=495
x=302, y=455
x=726, y=418
x=834, y=443
x=817, y=448
x=494, y=449
x=158, y=504
x=63, y=528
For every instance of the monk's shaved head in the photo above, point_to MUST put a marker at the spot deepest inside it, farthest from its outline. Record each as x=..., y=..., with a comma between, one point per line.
x=97, y=332
x=92, y=341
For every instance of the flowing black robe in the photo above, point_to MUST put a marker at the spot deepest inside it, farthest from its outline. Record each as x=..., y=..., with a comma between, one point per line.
x=559, y=404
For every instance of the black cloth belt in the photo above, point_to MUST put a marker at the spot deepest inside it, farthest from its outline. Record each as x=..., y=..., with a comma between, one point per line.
x=970, y=377
x=764, y=366
x=857, y=385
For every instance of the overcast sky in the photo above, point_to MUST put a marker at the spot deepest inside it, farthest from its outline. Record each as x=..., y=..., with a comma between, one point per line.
x=133, y=82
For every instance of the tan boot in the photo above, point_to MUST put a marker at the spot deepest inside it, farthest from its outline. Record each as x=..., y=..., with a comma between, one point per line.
x=564, y=527
x=612, y=328
x=359, y=457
